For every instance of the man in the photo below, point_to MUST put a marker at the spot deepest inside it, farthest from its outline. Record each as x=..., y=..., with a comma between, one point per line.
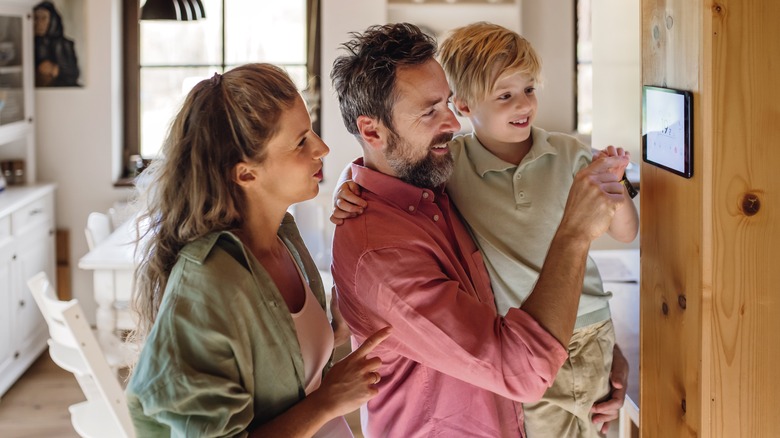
x=453, y=366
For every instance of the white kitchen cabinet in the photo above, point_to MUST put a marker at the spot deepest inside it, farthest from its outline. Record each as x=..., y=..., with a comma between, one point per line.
x=26, y=248
x=17, y=130
x=26, y=208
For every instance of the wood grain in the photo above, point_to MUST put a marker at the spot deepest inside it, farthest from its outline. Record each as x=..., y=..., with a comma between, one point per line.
x=713, y=238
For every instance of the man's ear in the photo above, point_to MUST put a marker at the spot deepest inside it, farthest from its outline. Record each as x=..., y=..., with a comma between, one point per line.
x=371, y=131
x=461, y=107
x=243, y=174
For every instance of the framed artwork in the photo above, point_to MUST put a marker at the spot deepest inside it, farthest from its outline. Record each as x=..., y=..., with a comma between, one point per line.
x=59, y=45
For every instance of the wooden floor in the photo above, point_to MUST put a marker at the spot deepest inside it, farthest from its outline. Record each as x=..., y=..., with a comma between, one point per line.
x=37, y=405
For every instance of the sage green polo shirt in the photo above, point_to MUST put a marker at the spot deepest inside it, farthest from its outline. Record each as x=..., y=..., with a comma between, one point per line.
x=223, y=355
x=514, y=211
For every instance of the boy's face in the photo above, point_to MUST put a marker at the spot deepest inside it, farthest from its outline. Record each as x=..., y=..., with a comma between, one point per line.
x=504, y=117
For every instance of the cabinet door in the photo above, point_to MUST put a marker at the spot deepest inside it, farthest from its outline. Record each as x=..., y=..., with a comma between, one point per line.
x=6, y=307
x=34, y=253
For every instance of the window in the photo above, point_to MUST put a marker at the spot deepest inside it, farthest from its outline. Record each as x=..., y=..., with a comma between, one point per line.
x=164, y=59
x=584, y=68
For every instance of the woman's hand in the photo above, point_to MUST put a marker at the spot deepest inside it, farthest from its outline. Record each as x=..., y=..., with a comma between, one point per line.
x=352, y=381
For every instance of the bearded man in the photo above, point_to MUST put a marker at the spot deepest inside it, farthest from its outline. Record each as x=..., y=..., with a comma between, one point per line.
x=453, y=366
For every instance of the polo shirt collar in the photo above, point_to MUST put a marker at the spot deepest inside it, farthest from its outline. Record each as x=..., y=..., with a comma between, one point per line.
x=399, y=193
x=484, y=161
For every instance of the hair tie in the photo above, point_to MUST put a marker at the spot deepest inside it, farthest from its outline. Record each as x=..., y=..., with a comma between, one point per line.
x=216, y=79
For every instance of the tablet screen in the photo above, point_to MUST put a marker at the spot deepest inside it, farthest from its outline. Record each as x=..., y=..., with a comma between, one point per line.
x=666, y=129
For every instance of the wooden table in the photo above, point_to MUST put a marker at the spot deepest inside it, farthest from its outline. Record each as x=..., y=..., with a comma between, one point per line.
x=112, y=263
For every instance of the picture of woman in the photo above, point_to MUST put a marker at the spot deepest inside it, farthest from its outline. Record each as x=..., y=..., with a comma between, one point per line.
x=55, y=55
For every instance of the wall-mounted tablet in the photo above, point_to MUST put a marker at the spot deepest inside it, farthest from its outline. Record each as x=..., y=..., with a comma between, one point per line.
x=667, y=134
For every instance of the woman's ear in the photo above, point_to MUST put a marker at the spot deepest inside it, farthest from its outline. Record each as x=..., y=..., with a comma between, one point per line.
x=461, y=107
x=243, y=174
x=371, y=131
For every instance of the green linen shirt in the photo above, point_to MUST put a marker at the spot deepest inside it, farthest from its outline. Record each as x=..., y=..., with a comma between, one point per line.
x=223, y=355
x=514, y=211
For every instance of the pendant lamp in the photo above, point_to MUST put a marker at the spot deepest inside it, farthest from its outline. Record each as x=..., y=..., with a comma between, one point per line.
x=180, y=10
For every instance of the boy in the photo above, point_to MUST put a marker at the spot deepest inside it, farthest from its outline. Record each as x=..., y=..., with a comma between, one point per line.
x=510, y=183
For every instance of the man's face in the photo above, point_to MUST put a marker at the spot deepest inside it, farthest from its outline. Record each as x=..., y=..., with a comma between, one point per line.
x=41, y=21
x=416, y=148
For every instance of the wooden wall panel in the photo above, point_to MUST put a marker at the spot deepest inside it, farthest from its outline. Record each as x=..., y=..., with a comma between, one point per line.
x=745, y=65
x=671, y=251
x=710, y=293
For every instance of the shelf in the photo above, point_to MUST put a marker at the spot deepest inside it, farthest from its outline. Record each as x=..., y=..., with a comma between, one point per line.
x=10, y=69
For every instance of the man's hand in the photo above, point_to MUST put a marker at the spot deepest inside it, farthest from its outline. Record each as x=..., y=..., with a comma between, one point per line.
x=595, y=195
x=607, y=411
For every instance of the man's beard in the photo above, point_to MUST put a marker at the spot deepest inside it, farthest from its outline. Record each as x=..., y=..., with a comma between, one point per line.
x=429, y=172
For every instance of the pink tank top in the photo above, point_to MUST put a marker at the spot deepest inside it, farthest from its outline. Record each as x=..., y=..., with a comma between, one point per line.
x=315, y=337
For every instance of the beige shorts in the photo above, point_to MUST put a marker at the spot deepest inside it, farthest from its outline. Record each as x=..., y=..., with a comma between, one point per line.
x=564, y=410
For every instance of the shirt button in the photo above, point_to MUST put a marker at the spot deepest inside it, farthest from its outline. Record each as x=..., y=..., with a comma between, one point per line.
x=435, y=217
x=521, y=195
x=273, y=304
x=411, y=208
x=518, y=176
x=425, y=195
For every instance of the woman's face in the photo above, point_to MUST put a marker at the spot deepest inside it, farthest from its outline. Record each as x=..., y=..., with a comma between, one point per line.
x=292, y=168
x=42, y=17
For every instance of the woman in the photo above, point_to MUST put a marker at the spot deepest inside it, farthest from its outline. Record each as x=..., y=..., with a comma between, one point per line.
x=236, y=339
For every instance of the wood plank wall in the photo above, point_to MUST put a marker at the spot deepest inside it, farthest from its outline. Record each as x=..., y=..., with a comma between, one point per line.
x=710, y=292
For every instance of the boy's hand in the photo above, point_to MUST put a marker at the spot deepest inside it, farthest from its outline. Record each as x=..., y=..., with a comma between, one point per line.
x=347, y=202
x=612, y=151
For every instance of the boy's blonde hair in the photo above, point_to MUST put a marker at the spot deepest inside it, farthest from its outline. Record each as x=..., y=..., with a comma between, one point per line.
x=476, y=55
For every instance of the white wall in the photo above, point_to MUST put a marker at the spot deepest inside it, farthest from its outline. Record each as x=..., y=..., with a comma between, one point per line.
x=78, y=134
x=549, y=26
x=617, y=84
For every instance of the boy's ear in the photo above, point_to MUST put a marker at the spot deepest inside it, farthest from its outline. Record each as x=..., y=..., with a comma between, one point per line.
x=371, y=131
x=243, y=174
x=461, y=107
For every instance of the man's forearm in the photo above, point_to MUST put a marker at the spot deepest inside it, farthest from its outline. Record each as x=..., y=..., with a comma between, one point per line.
x=554, y=300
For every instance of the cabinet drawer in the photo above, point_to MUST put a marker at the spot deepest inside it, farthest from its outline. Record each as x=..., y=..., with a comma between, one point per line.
x=34, y=213
x=5, y=227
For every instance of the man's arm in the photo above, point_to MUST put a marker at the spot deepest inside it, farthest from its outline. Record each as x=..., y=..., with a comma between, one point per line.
x=594, y=197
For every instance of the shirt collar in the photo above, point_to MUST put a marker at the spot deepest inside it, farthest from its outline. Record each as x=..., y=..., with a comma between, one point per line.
x=484, y=161
x=399, y=193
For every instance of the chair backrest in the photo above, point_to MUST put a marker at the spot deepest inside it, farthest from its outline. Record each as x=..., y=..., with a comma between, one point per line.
x=97, y=229
x=74, y=347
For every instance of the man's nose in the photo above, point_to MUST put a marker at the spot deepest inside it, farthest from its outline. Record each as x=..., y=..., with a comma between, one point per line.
x=451, y=123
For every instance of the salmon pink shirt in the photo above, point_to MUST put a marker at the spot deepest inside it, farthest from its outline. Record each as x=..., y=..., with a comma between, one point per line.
x=452, y=366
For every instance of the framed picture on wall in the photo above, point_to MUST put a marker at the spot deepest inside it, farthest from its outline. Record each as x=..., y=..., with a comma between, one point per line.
x=58, y=26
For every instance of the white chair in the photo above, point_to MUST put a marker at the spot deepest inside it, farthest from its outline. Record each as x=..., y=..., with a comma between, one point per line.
x=74, y=348
x=98, y=228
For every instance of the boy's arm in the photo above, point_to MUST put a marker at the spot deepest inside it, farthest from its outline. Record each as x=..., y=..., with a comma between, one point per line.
x=347, y=202
x=625, y=223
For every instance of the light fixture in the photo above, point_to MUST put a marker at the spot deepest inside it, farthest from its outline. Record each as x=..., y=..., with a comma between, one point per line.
x=180, y=10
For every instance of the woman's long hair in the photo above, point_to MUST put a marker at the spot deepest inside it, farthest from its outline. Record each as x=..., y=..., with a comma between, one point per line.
x=223, y=121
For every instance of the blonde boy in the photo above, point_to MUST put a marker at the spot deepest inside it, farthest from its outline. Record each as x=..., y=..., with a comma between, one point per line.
x=510, y=183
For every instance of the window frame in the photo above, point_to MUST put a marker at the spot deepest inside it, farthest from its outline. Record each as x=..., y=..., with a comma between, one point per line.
x=131, y=73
